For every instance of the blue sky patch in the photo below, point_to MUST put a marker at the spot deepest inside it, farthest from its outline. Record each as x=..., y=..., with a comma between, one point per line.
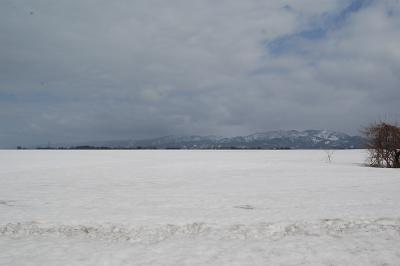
x=326, y=23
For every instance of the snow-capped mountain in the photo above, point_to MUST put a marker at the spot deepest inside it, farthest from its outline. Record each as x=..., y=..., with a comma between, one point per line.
x=279, y=139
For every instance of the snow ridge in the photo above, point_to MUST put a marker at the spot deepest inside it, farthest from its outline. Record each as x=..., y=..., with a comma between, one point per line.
x=307, y=139
x=158, y=233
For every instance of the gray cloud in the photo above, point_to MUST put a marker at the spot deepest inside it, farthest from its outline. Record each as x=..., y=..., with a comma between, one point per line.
x=94, y=70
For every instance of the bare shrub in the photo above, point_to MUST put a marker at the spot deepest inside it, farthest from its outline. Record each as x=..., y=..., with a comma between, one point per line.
x=383, y=145
x=329, y=155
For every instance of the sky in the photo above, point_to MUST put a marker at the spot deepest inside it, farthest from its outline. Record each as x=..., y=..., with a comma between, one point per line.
x=79, y=70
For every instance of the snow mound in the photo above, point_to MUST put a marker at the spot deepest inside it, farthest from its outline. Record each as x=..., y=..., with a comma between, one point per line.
x=158, y=233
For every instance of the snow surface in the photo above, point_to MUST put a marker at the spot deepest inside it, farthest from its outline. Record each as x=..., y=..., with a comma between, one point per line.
x=197, y=208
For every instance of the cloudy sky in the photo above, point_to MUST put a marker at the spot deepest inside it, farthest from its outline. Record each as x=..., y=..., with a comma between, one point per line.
x=76, y=70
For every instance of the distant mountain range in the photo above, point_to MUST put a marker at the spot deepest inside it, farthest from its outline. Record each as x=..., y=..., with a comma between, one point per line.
x=280, y=139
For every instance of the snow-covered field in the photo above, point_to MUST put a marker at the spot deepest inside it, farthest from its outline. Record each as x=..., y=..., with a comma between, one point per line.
x=197, y=208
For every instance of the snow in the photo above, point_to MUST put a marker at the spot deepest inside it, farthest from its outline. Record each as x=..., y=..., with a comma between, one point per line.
x=197, y=208
x=276, y=134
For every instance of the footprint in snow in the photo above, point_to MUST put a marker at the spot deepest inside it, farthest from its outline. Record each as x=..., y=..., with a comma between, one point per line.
x=6, y=203
x=245, y=207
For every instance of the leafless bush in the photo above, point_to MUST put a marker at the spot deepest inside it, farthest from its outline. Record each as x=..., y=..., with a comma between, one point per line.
x=329, y=155
x=383, y=145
